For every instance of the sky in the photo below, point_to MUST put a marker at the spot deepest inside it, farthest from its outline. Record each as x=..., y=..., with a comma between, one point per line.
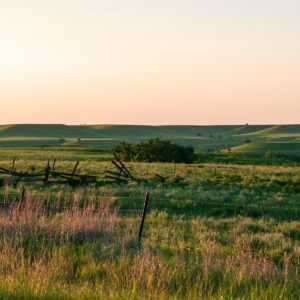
x=150, y=62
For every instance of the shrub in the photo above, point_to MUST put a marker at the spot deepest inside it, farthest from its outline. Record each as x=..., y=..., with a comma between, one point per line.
x=125, y=151
x=155, y=150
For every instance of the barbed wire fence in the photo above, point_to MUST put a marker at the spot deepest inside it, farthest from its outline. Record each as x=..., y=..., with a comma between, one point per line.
x=138, y=205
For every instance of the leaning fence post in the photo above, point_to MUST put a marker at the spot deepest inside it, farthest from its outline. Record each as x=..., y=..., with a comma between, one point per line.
x=53, y=166
x=143, y=216
x=75, y=168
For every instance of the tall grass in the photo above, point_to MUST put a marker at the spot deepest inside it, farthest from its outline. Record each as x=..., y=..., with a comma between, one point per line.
x=88, y=253
x=68, y=243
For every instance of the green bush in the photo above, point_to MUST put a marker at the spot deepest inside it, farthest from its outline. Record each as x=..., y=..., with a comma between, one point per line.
x=155, y=150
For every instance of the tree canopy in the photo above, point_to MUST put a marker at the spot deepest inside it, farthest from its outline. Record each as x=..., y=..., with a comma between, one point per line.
x=155, y=150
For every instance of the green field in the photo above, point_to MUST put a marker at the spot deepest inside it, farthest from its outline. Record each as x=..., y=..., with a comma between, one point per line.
x=213, y=230
x=202, y=138
x=261, y=148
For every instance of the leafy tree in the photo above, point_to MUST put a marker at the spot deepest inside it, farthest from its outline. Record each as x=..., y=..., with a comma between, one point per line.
x=155, y=150
x=125, y=151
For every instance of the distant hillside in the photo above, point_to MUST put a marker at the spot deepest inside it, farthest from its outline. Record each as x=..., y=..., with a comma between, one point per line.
x=277, y=129
x=41, y=130
x=204, y=138
x=260, y=148
x=246, y=129
x=100, y=131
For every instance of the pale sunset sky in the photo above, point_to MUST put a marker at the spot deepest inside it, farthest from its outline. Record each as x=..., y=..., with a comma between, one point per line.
x=150, y=62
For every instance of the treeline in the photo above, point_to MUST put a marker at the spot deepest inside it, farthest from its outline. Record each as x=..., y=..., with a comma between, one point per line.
x=155, y=150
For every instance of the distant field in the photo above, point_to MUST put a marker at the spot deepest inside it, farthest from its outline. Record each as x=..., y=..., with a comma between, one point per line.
x=278, y=129
x=265, y=147
x=250, y=139
x=41, y=142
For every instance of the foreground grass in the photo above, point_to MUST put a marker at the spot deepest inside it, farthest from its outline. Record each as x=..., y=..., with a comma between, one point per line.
x=80, y=254
x=244, y=246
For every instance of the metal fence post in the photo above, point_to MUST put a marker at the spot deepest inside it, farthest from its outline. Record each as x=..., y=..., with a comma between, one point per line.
x=143, y=216
x=22, y=199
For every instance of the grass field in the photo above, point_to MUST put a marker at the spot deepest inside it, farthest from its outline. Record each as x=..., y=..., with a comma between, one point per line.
x=261, y=148
x=202, y=138
x=213, y=231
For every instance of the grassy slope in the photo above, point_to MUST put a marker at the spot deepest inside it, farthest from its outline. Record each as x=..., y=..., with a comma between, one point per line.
x=200, y=137
x=278, y=129
x=264, y=147
x=42, y=130
x=275, y=139
x=108, y=135
x=100, y=131
x=246, y=129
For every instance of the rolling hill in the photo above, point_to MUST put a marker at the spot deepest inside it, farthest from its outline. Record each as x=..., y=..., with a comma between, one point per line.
x=277, y=129
x=261, y=148
x=102, y=131
x=241, y=138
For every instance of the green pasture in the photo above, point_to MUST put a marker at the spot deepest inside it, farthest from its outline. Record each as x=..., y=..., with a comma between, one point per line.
x=261, y=148
x=202, y=138
x=212, y=230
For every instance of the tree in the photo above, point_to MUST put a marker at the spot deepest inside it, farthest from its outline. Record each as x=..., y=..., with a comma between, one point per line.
x=156, y=150
x=125, y=151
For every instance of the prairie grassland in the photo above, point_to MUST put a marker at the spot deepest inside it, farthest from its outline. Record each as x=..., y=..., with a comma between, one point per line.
x=79, y=254
x=275, y=138
x=212, y=231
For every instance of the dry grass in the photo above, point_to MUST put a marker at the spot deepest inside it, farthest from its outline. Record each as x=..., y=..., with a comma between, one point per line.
x=37, y=220
x=74, y=243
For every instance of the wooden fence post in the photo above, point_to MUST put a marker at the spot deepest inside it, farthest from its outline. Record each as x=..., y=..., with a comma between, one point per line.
x=143, y=216
x=53, y=166
x=13, y=165
x=47, y=172
x=75, y=168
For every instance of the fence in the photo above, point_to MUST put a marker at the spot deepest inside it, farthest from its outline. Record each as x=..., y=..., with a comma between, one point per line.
x=136, y=205
x=129, y=203
x=49, y=205
x=50, y=175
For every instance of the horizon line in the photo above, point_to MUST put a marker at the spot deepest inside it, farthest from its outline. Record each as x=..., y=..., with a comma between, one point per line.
x=153, y=125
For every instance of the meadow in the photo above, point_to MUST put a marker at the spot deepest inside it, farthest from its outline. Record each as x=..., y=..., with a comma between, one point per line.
x=249, y=139
x=212, y=230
